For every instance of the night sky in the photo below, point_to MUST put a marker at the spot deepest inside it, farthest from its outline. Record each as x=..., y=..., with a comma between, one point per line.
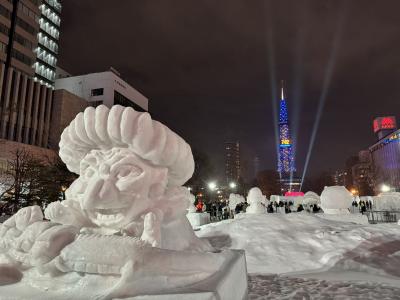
x=211, y=69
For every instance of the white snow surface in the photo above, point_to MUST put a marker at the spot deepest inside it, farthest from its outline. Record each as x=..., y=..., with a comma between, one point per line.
x=308, y=256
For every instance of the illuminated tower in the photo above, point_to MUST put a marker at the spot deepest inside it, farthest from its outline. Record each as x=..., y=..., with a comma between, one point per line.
x=286, y=165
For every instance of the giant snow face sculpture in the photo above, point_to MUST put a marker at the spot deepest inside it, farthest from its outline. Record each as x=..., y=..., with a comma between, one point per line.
x=123, y=221
x=115, y=186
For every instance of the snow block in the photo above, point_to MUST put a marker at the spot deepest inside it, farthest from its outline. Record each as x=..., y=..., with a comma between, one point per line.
x=229, y=283
x=198, y=219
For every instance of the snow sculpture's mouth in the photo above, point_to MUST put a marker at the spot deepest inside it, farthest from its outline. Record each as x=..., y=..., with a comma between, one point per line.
x=107, y=217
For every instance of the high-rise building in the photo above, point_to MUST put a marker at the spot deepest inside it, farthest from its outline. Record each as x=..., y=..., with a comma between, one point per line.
x=286, y=164
x=19, y=28
x=47, y=46
x=385, y=156
x=27, y=28
x=232, y=161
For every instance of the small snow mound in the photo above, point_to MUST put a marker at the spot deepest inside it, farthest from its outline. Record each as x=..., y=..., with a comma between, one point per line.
x=311, y=198
x=256, y=200
x=387, y=201
x=336, y=200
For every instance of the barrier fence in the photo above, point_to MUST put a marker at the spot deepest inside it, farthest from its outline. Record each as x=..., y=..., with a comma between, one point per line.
x=376, y=216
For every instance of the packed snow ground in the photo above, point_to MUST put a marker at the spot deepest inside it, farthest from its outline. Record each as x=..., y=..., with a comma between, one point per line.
x=310, y=256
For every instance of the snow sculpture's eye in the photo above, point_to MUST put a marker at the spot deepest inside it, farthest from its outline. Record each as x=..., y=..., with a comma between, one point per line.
x=128, y=171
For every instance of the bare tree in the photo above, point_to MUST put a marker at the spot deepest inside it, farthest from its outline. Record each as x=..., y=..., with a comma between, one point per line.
x=19, y=178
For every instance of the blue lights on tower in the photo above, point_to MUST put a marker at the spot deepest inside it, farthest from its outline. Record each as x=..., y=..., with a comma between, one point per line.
x=286, y=165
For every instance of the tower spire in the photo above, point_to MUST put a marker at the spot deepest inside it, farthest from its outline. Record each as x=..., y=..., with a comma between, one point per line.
x=282, y=95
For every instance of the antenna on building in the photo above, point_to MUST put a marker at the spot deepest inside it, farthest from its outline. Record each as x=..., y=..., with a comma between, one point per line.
x=115, y=71
x=282, y=95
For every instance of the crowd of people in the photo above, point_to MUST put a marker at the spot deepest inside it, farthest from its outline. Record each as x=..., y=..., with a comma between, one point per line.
x=222, y=211
x=362, y=205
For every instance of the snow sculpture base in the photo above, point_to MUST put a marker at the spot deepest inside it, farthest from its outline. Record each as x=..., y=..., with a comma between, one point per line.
x=229, y=283
x=198, y=219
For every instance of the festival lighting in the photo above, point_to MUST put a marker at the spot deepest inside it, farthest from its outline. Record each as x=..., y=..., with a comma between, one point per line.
x=286, y=159
x=324, y=93
x=232, y=185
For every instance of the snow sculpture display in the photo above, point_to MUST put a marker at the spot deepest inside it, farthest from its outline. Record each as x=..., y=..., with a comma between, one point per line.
x=196, y=218
x=122, y=230
x=234, y=200
x=311, y=198
x=387, y=201
x=192, y=207
x=336, y=200
x=256, y=201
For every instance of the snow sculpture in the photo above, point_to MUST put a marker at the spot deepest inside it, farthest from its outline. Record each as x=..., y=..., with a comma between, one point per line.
x=195, y=217
x=123, y=225
x=192, y=207
x=311, y=198
x=234, y=200
x=336, y=200
x=387, y=201
x=256, y=201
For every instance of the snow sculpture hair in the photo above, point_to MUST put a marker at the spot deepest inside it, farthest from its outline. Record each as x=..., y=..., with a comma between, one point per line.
x=103, y=128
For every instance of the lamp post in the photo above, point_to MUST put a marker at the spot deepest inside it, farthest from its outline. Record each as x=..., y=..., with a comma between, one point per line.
x=63, y=189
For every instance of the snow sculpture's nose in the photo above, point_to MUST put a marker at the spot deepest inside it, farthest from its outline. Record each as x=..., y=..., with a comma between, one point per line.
x=100, y=193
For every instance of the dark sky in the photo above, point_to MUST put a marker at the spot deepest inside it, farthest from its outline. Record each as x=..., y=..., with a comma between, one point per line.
x=211, y=68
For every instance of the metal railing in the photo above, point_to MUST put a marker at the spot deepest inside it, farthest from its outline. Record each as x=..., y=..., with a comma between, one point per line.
x=382, y=216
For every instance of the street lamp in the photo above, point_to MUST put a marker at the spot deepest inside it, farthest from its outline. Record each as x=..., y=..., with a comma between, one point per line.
x=232, y=185
x=63, y=189
x=212, y=185
x=354, y=191
x=385, y=188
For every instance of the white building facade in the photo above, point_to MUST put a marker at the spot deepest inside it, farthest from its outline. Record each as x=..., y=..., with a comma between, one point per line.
x=104, y=88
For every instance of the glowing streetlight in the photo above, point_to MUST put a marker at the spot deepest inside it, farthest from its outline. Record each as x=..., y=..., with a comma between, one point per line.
x=232, y=185
x=212, y=186
x=385, y=188
x=354, y=191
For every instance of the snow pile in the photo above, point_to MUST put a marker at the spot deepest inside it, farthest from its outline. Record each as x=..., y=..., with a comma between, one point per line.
x=387, y=201
x=336, y=200
x=256, y=200
x=305, y=243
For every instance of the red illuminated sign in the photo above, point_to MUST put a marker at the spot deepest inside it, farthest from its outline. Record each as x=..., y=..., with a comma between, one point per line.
x=385, y=123
x=294, y=194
